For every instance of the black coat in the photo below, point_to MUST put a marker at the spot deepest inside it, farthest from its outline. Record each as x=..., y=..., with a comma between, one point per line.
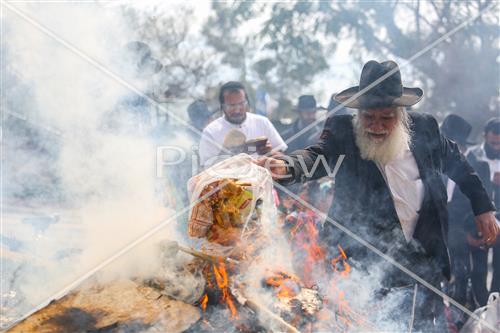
x=459, y=208
x=305, y=139
x=363, y=201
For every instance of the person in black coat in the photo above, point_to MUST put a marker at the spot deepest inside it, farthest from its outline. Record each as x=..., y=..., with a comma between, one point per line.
x=389, y=189
x=488, y=152
x=463, y=240
x=306, y=110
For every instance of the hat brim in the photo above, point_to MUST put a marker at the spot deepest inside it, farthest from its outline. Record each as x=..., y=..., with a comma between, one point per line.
x=409, y=97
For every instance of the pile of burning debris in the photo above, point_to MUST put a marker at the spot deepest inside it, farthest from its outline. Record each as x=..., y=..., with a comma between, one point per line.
x=229, y=216
x=215, y=287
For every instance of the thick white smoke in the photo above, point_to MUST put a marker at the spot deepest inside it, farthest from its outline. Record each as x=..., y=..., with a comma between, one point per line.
x=103, y=171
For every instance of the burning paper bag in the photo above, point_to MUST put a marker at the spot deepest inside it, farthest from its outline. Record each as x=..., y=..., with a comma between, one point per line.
x=490, y=317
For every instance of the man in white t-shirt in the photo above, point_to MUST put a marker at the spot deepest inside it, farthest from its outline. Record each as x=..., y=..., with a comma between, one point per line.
x=235, y=106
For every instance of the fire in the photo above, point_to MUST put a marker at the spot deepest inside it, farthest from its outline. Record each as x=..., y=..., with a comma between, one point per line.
x=204, y=302
x=286, y=284
x=223, y=283
x=342, y=260
x=305, y=236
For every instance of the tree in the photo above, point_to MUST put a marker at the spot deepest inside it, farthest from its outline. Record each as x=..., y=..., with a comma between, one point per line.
x=188, y=66
x=272, y=41
x=288, y=45
x=460, y=74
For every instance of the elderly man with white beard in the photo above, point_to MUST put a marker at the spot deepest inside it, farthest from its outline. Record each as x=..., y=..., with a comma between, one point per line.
x=389, y=189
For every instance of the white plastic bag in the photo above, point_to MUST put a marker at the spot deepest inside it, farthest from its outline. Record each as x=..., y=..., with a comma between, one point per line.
x=490, y=317
x=238, y=167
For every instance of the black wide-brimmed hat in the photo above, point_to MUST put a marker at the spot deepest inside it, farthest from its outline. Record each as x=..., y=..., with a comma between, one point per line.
x=456, y=129
x=307, y=103
x=388, y=92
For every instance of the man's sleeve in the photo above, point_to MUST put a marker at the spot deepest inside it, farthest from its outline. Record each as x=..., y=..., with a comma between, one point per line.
x=208, y=148
x=459, y=170
x=274, y=137
x=311, y=163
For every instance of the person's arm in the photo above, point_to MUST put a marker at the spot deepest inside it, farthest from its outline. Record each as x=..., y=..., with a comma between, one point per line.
x=459, y=170
x=304, y=164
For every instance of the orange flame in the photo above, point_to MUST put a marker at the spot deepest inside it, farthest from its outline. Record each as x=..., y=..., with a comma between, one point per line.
x=305, y=236
x=222, y=283
x=342, y=257
x=204, y=302
x=285, y=283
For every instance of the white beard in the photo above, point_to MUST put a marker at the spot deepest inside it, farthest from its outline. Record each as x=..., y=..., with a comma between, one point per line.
x=390, y=148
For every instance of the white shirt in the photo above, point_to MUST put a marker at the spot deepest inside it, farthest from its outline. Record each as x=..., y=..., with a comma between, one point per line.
x=450, y=188
x=254, y=126
x=403, y=179
x=494, y=164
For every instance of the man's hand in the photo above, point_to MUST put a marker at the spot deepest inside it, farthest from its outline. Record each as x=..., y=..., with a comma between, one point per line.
x=277, y=167
x=496, y=178
x=488, y=227
x=473, y=241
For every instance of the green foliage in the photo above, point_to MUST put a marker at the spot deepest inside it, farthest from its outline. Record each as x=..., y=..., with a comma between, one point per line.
x=284, y=46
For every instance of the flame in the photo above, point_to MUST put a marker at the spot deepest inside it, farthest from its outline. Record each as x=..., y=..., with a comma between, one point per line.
x=222, y=283
x=286, y=284
x=305, y=235
x=341, y=260
x=204, y=302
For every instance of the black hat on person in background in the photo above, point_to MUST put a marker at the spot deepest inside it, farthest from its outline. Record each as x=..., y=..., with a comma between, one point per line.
x=307, y=103
x=456, y=129
x=388, y=92
x=492, y=125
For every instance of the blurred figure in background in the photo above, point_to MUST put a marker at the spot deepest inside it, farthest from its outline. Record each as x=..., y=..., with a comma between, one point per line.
x=489, y=152
x=235, y=105
x=199, y=115
x=306, y=110
x=463, y=240
x=133, y=112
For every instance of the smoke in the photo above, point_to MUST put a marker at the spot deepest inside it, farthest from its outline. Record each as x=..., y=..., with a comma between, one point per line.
x=77, y=143
x=79, y=155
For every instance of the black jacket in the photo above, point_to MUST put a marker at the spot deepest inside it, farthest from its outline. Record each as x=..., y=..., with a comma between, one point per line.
x=305, y=139
x=460, y=212
x=363, y=201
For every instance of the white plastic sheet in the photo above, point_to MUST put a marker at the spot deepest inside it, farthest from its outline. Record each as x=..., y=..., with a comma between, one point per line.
x=490, y=315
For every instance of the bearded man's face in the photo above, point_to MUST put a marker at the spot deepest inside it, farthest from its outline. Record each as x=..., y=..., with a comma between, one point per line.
x=382, y=134
x=379, y=123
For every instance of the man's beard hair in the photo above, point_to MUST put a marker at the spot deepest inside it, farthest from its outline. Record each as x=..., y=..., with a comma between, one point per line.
x=233, y=121
x=391, y=148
